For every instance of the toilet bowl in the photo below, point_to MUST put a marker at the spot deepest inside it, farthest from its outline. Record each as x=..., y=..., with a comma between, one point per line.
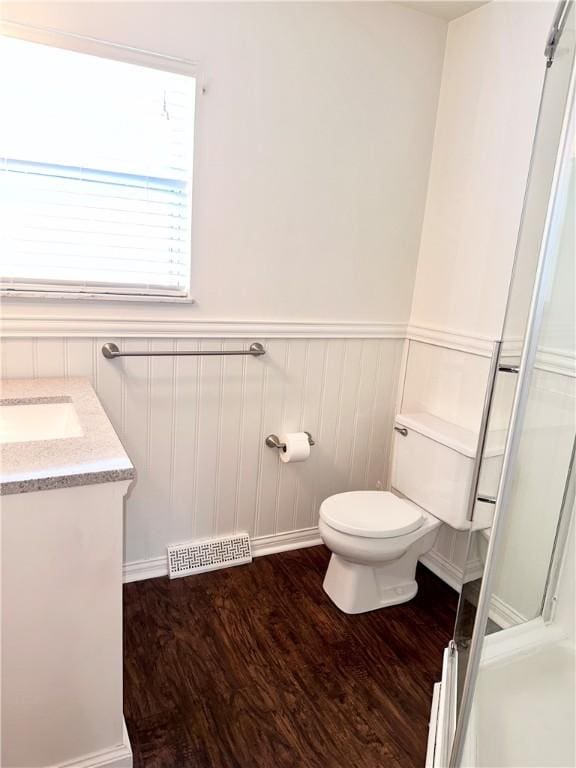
x=376, y=539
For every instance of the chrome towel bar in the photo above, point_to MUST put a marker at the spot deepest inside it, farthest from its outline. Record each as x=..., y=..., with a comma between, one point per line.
x=111, y=351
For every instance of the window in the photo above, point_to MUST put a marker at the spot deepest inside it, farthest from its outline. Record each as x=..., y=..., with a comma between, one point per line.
x=95, y=173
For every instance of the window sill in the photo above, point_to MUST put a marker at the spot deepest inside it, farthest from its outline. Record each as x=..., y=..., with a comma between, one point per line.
x=96, y=296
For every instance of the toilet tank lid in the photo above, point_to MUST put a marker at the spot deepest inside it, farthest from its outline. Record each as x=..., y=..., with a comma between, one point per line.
x=458, y=438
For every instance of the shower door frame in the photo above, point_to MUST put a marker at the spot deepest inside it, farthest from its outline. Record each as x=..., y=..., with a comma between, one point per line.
x=515, y=428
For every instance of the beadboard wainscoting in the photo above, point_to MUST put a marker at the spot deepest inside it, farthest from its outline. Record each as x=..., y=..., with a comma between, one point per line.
x=445, y=373
x=195, y=428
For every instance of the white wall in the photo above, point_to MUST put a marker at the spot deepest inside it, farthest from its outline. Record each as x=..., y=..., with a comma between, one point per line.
x=312, y=151
x=491, y=84
x=445, y=382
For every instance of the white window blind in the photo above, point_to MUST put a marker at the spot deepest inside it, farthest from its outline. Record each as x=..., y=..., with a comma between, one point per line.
x=95, y=173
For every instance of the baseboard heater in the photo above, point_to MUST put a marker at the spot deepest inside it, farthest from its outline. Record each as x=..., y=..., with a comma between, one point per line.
x=208, y=555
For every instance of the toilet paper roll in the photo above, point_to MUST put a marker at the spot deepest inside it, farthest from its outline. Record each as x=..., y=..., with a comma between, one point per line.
x=297, y=447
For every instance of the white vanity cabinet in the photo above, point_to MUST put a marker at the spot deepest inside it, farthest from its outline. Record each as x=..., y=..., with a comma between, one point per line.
x=62, y=541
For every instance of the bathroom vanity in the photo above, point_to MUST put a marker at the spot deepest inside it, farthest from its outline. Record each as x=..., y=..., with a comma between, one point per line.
x=63, y=478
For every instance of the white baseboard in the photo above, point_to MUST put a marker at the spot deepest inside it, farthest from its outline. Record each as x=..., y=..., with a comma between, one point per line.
x=284, y=542
x=449, y=572
x=138, y=570
x=500, y=612
x=474, y=569
x=443, y=568
x=503, y=614
x=119, y=756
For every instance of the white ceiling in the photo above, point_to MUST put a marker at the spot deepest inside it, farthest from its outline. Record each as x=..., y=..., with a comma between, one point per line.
x=450, y=9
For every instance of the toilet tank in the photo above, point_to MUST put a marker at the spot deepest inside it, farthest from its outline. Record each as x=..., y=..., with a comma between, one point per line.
x=432, y=465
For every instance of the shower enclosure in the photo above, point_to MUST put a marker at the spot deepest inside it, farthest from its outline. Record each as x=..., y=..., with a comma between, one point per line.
x=507, y=692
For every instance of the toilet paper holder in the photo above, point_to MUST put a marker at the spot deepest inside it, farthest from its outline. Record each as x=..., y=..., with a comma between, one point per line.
x=273, y=441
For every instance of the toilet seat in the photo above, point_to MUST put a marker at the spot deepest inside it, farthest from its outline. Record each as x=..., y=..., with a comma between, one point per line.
x=372, y=514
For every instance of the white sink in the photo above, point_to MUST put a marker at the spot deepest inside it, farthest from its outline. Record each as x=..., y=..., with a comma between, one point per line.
x=26, y=422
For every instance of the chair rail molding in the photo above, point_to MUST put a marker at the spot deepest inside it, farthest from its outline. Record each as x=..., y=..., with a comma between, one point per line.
x=557, y=361
x=553, y=360
x=451, y=339
x=43, y=326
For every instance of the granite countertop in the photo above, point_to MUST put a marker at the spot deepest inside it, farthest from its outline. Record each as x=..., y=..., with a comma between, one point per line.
x=97, y=456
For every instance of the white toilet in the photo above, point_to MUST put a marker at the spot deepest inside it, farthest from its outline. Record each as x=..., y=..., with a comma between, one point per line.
x=377, y=537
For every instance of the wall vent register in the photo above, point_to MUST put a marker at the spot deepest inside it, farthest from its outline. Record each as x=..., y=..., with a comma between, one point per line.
x=196, y=557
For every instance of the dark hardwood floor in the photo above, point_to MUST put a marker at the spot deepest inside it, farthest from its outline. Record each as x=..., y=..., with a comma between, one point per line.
x=254, y=667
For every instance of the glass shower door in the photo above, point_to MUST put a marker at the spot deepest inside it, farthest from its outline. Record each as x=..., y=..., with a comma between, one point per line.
x=546, y=448
x=520, y=710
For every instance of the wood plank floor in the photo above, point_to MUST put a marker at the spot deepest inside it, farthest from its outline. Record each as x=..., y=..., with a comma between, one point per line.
x=254, y=667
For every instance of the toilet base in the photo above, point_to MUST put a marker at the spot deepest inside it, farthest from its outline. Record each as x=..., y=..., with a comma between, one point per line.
x=356, y=588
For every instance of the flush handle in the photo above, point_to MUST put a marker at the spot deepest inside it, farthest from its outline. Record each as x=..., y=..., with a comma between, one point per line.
x=402, y=430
